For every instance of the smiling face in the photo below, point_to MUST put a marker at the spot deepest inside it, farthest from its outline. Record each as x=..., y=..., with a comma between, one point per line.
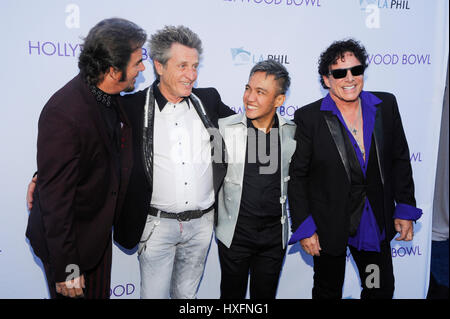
x=261, y=99
x=115, y=81
x=178, y=75
x=134, y=67
x=347, y=89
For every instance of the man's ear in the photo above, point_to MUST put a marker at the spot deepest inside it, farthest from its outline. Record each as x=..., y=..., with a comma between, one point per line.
x=279, y=100
x=158, y=67
x=114, y=73
x=326, y=80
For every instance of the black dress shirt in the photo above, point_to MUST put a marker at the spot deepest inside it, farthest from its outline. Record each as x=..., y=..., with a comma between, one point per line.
x=110, y=114
x=261, y=192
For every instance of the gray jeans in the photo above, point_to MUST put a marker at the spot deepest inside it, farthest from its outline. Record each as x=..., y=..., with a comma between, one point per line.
x=172, y=256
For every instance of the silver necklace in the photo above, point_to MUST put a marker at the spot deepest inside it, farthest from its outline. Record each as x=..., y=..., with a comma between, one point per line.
x=356, y=123
x=354, y=129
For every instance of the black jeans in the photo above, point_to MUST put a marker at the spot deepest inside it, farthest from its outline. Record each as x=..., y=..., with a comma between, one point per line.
x=256, y=249
x=375, y=272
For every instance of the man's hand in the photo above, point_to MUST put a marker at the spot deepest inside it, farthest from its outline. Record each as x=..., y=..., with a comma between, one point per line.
x=311, y=245
x=71, y=288
x=405, y=228
x=30, y=192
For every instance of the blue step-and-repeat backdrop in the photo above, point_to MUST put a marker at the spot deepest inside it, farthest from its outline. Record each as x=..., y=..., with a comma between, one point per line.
x=407, y=43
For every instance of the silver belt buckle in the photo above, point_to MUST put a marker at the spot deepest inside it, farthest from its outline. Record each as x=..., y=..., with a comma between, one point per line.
x=181, y=217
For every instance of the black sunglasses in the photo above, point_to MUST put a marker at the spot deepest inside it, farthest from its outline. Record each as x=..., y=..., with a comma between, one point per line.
x=342, y=73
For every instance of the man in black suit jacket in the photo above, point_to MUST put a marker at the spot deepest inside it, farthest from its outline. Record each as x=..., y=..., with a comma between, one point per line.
x=83, y=153
x=350, y=178
x=177, y=171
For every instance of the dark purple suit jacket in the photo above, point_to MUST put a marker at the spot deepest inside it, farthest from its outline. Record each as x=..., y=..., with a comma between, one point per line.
x=78, y=189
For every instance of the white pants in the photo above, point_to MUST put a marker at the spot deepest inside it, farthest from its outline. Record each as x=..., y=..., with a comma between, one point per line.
x=172, y=256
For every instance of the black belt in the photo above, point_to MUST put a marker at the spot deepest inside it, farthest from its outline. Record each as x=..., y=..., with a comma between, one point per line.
x=183, y=216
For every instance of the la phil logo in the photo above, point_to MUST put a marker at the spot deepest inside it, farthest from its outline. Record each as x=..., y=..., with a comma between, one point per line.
x=240, y=56
x=385, y=4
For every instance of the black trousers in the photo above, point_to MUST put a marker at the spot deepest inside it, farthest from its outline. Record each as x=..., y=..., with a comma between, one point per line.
x=256, y=250
x=375, y=272
x=97, y=280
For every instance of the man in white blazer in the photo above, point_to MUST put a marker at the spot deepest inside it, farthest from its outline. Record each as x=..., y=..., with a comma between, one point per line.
x=252, y=228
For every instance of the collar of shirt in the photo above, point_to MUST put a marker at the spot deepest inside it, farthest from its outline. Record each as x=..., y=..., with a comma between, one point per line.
x=367, y=99
x=161, y=100
x=369, y=110
x=102, y=97
x=275, y=123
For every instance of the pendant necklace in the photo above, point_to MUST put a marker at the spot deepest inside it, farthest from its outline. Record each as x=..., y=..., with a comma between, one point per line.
x=354, y=129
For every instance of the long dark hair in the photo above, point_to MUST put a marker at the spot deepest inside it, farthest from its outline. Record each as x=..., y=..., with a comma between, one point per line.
x=110, y=43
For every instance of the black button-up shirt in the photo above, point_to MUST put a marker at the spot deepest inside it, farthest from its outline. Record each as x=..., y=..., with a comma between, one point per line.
x=261, y=192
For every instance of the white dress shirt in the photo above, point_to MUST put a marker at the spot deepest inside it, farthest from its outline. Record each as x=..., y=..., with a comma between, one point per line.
x=182, y=169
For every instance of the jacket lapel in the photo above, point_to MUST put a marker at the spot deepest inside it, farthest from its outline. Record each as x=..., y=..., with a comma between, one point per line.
x=97, y=117
x=379, y=143
x=218, y=151
x=96, y=114
x=336, y=132
x=148, y=120
x=200, y=111
x=235, y=136
x=287, y=141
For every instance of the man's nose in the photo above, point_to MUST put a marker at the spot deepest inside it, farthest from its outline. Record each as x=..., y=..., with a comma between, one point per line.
x=349, y=76
x=191, y=74
x=249, y=97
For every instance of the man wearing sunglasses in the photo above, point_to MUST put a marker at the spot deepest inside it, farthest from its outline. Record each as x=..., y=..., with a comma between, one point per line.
x=350, y=178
